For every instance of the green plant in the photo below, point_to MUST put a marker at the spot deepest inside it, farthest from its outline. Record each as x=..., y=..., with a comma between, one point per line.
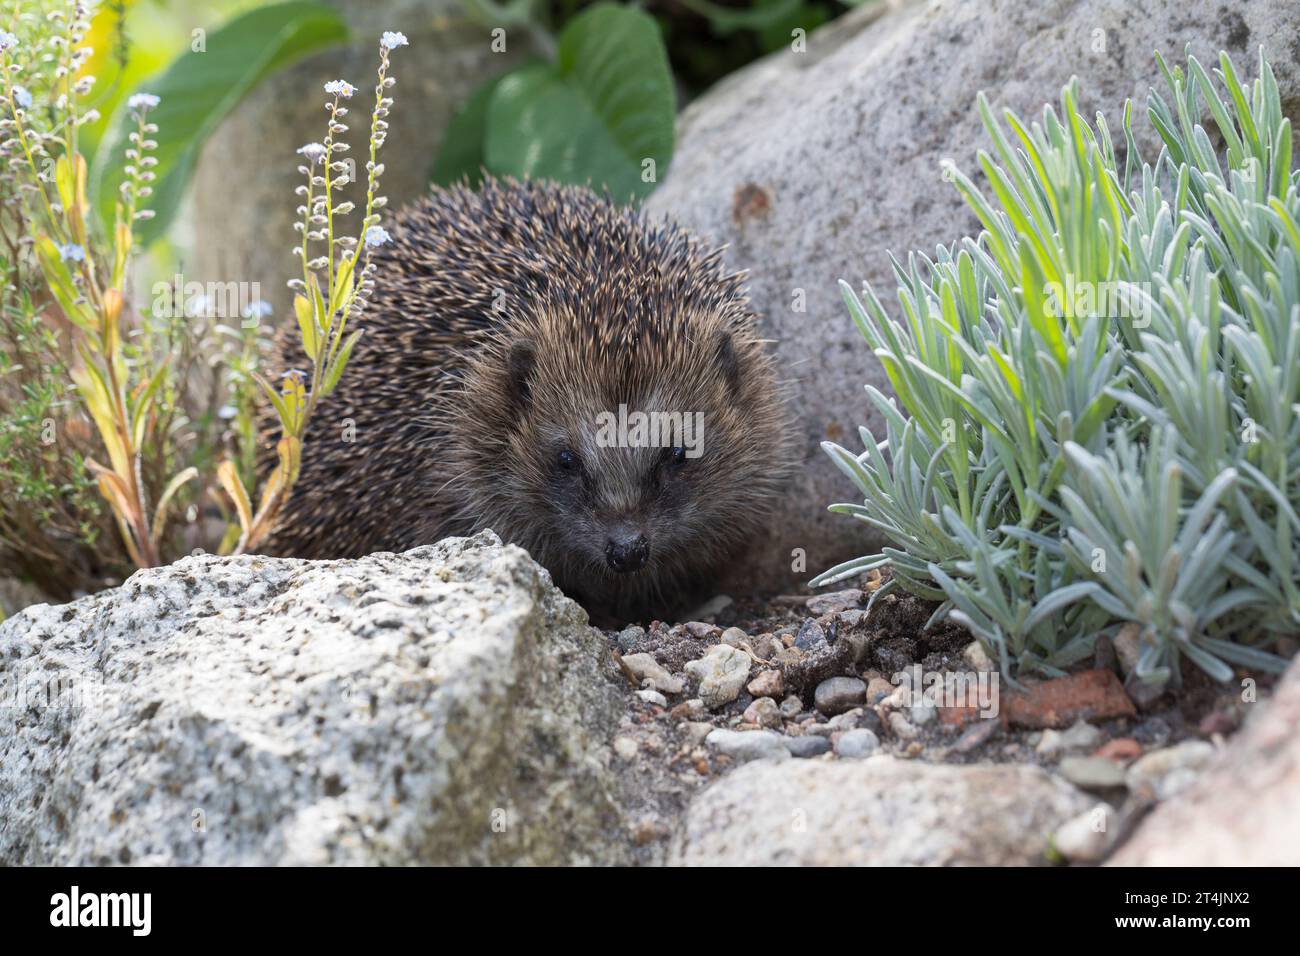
x=1102, y=391
x=601, y=111
x=331, y=292
x=128, y=428
x=86, y=279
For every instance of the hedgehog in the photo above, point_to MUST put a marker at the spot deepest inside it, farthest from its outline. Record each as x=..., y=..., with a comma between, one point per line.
x=518, y=340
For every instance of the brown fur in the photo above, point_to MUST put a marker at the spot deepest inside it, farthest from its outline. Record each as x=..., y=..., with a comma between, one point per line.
x=502, y=323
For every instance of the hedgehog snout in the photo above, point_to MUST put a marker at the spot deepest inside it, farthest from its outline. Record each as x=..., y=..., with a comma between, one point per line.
x=627, y=552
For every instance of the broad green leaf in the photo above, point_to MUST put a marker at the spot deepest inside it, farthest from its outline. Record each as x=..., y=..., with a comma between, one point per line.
x=596, y=115
x=200, y=89
x=461, y=155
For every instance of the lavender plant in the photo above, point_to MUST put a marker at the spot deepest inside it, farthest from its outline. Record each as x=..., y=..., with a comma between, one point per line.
x=331, y=293
x=1097, y=420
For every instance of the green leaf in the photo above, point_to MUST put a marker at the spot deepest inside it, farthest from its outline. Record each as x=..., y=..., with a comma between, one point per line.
x=199, y=90
x=596, y=115
x=461, y=155
x=340, y=363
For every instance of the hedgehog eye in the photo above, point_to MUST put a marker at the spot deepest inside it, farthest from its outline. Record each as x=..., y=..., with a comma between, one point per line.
x=567, y=461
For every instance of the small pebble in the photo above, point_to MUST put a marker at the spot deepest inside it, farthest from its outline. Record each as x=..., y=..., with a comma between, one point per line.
x=631, y=638
x=878, y=689
x=625, y=747
x=696, y=730
x=810, y=636
x=722, y=672
x=1125, y=645
x=902, y=727
x=768, y=683
x=700, y=630
x=1092, y=773
x=922, y=714
x=745, y=745
x=653, y=697
x=856, y=743
x=1153, y=732
x=1080, y=737
x=692, y=709
x=838, y=694
x=734, y=636
x=1164, y=773
x=764, y=712
x=645, y=667
x=975, y=655
x=807, y=746
x=834, y=601
x=847, y=720
x=1087, y=837
x=792, y=706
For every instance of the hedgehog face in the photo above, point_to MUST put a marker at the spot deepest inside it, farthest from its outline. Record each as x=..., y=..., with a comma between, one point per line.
x=616, y=483
x=635, y=477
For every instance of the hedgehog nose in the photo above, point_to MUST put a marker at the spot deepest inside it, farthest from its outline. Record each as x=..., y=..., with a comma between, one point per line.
x=628, y=554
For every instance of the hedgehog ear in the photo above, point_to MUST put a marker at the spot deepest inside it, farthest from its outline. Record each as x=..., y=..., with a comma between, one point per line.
x=520, y=363
x=728, y=363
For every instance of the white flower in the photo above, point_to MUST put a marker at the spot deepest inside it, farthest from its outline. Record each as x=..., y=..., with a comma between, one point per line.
x=22, y=97
x=391, y=40
x=227, y=412
x=377, y=236
x=313, y=152
x=7, y=41
x=142, y=101
x=340, y=88
x=72, y=252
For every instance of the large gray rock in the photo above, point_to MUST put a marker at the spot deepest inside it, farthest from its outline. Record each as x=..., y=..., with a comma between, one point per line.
x=812, y=165
x=880, y=811
x=1244, y=808
x=252, y=154
x=447, y=705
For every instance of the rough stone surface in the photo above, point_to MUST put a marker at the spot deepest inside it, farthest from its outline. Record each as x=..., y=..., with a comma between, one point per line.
x=811, y=165
x=390, y=710
x=1242, y=808
x=878, y=811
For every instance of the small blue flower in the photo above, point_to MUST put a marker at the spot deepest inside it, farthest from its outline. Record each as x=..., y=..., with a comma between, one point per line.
x=340, y=88
x=377, y=236
x=227, y=412
x=71, y=252
x=7, y=41
x=142, y=101
x=22, y=97
x=260, y=309
x=391, y=40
